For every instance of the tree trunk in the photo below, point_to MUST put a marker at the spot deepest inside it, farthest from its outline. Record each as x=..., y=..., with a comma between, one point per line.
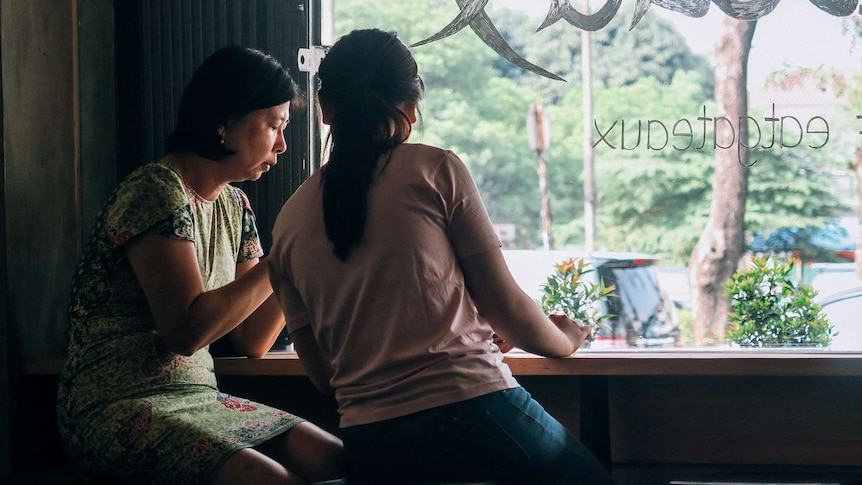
x=716, y=255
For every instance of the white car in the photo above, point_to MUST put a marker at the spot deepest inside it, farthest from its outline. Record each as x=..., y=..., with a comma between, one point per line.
x=844, y=310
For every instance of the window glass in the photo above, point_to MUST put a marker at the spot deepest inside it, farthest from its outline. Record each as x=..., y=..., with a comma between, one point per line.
x=641, y=189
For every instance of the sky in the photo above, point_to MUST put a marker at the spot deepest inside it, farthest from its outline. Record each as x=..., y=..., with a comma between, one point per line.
x=795, y=33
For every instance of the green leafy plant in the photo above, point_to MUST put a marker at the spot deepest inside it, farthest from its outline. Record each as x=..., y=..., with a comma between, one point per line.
x=568, y=292
x=769, y=310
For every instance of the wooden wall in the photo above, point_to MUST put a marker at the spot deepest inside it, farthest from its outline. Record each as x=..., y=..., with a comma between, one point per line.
x=742, y=420
x=4, y=338
x=41, y=153
x=40, y=188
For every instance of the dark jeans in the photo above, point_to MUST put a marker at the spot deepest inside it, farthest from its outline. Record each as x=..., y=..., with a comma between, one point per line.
x=504, y=436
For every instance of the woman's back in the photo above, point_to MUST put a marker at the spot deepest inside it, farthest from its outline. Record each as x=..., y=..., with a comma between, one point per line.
x=395, y=318
x=381, y=264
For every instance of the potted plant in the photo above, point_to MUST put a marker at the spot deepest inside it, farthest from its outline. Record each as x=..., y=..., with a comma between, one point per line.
x=567, y=291
x=769, y=310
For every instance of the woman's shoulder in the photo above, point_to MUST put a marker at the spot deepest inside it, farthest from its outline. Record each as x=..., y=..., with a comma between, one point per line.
x=152, y=194
x=154, y=186
x=309, y=187
x=158, y=173
x=237, y=196
x=429, y=151
x=429, y=155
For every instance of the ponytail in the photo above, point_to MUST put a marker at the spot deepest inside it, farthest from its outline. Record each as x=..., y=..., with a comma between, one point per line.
x=365, y=82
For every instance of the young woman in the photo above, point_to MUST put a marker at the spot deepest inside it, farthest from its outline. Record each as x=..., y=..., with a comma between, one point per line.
x=171, y=267
x=393, y=283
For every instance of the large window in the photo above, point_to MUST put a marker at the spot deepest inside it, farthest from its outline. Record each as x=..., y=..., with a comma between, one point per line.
x=656, y=131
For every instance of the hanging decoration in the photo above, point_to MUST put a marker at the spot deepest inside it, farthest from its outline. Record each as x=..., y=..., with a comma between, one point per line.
x=473, y=14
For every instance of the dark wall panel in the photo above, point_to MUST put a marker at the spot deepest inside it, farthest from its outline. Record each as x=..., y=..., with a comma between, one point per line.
x=4, y=344
x=161, y=42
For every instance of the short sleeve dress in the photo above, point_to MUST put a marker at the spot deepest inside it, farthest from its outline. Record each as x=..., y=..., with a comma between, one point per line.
x=126, y=404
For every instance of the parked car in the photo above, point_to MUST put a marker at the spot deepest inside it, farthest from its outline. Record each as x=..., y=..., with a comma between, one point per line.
x=835, y=242
x=842, y=309
x=643, y=314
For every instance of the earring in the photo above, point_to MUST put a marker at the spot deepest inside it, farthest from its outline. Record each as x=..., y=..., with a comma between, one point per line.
x=222, y=139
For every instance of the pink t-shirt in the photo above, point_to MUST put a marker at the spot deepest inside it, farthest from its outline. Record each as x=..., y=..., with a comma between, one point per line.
x=396, y=320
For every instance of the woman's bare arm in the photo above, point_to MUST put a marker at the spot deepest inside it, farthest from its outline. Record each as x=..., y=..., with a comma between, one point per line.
x=186, y=317
x=256, y=335
x=513, y=315
x=314, y=359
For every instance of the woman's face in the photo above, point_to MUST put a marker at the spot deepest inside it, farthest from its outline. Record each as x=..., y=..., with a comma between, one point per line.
x=257, y=139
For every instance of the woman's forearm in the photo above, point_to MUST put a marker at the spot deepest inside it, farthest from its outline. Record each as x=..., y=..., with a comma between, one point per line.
x=185, y=316
x=520, y=322
x=256, y=335
x=512, y=313
x=216, y=313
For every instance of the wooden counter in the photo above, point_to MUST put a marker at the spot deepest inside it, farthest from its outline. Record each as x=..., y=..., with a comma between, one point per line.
x=687, y=362
x=777, y=407
x=622, y=363
x=702, y=407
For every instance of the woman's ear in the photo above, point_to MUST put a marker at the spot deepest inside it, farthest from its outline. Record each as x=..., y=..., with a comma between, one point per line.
x=326, y=112
x=409, y=109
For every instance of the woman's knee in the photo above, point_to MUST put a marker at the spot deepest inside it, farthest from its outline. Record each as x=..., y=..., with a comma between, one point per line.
x=249, y=466
x=308, y=450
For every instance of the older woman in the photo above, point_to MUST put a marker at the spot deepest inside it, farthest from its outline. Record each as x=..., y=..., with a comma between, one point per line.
x=171, y=267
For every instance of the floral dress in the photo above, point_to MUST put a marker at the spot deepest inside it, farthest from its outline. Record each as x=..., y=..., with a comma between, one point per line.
x=128, y=407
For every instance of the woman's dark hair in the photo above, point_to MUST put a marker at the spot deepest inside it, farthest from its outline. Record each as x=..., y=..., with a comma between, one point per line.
x=365, y=79
x=231, y=83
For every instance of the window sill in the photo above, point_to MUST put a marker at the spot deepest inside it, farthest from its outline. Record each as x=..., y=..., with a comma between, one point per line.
x=624, y=362
x=675, y=362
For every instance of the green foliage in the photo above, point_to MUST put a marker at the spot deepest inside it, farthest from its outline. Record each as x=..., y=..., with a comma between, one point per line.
x=798, y=182
x=769, y=310
x=648, y=200
x=653, y=49
x=620, y=57
x=568, y=292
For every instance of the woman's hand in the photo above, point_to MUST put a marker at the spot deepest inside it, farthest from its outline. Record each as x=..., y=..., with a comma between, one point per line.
x=575, y=330
x=502, y=344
